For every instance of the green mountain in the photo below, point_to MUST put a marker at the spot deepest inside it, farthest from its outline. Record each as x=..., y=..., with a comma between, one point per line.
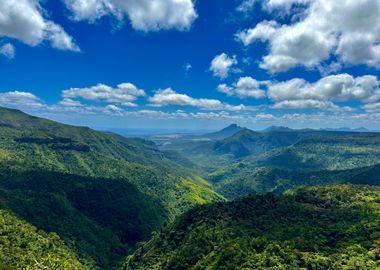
x=332, y=151
x=331, y=227
x=277, y=159
x=23, y=246
x=243, y=179
x=100, y=192
x=86, y=199
x=223, y=133
x=247, y=142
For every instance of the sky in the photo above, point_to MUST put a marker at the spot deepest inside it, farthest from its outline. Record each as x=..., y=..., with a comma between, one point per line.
x=186, y=64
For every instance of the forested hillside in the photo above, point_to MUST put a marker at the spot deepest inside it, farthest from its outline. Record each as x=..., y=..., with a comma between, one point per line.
x=331, y=227
x=23, y=246
x=84, y=199
x=100, y=192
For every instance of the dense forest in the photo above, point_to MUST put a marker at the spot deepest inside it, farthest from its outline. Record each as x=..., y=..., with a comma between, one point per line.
x=99, y=192
x=75, y=198
x=331, y=227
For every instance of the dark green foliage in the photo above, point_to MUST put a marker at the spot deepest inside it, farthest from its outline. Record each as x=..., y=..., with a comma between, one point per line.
x=100, y=192
x=22, y=246
x=329, y=152
x=332, y=227
x=244, y=179
x=98, y=218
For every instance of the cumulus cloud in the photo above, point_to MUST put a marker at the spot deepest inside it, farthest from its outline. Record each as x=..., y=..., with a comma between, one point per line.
x=8, y=50
x=263, y=31
x=19, y=99
x=246, y=5
x=124, y=93
x=372, y=107
x=306, y=104
x=169, y=97
x=339, y=88
x=145, y=15
x=298, y=93
x=245, y=87
x=283, y=4
x=221, y=66
x=24, y=20
x=350, y=30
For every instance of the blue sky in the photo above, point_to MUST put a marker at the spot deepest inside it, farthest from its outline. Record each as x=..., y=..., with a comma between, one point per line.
x=192, y=64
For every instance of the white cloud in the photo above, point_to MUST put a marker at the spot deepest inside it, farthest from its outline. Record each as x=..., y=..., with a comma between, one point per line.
x=339, y=88
x=145, y=15
x=8, y=50
x=246, y=5
x=245, y=87
x=306, y=104
x=18, y=99
x=348, y=29
x=372, y=107
x=24, y=20
x=169, y=97
x=124, y=93
x=283, y=4
x=263, y=31
x=224, y=88
x=67, y=102
x=188, y=67
x=222, y=64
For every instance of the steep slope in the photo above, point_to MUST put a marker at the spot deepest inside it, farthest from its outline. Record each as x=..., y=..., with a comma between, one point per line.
x=247, y=142
x=99, y=219
x=22, y=246
x=333, y=151
x=82, y=151
x=245, y=179
x=223, y=133
x=332, y=227
x=100, y=192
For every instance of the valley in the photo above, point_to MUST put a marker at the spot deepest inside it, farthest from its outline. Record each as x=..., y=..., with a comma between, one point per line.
x=97, y=200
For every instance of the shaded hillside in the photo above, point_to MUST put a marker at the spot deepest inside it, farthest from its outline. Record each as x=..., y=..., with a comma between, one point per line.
x=332, y=227
x=100, y=219
x=247, y=142
x=100, y=192
x=30, y=143
x=329, y=152
x=23, y=246
x=223, y=133
x=273, y=147
x=243, y=179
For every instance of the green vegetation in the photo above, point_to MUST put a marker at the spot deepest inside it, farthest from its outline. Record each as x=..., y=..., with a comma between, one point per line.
x=332, y=227
x=245, y=178
x=99, y=219
x=331, y=152
x=22, y=246
x=75, y=198
x=100, y=192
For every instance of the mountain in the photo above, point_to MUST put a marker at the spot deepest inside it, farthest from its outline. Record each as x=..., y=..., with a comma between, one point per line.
x=23, y=245
x=347, y=129
x=277, y=128
x=224, y=133
x=331, y=227
x=100, y=192
x=328, y=151
x=247, y=142
x=244, y=179
x=273, y=146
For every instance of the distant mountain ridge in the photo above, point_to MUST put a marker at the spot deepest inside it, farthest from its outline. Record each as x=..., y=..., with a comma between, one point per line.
x=224, y=133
